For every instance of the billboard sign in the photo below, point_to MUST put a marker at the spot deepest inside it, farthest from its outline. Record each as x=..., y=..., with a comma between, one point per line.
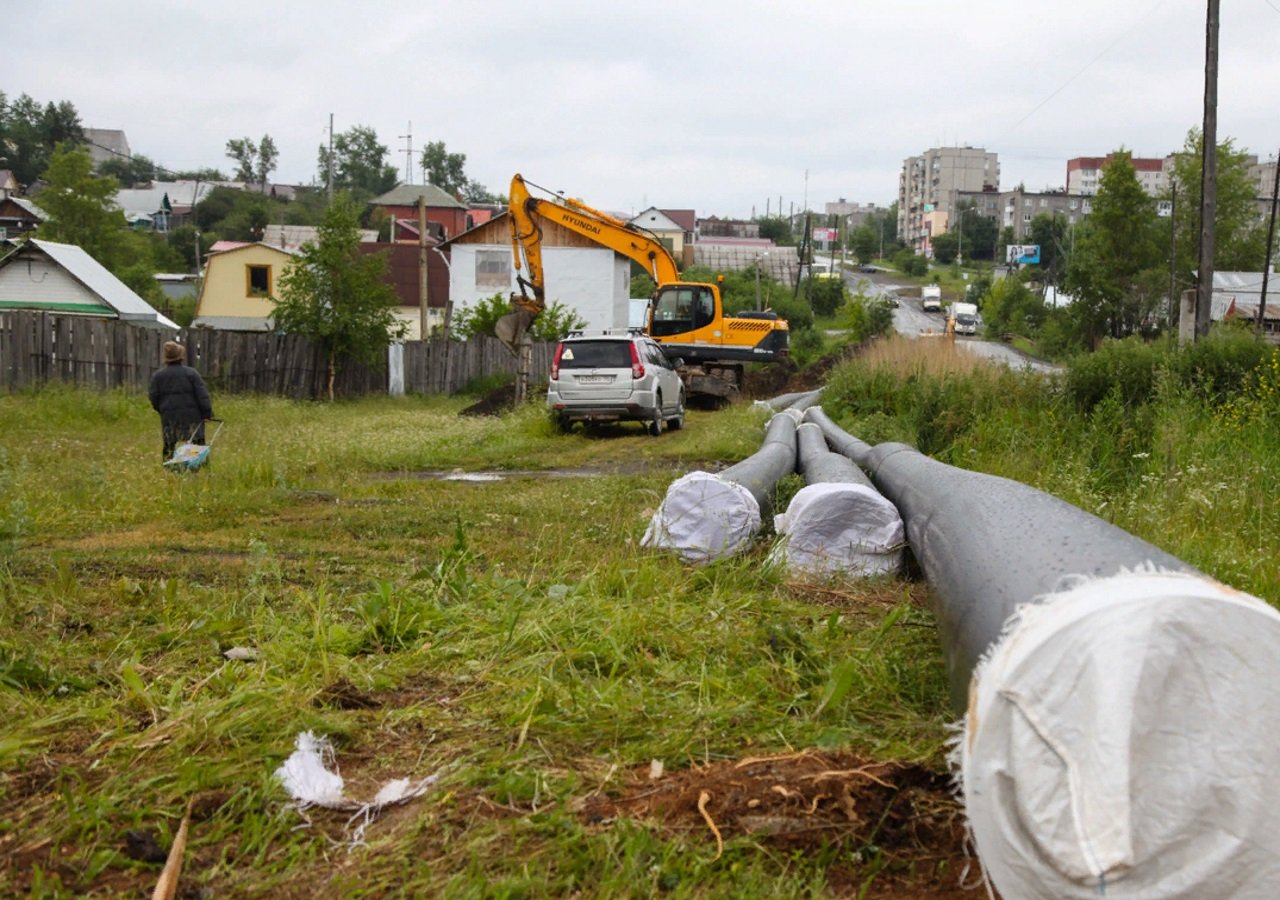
x=824, y=234
x=1022, y=254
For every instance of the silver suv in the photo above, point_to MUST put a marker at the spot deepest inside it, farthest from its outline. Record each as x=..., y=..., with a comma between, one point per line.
x=611, y=376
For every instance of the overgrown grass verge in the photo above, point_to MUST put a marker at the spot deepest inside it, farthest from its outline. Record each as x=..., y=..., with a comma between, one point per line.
x=510, y=635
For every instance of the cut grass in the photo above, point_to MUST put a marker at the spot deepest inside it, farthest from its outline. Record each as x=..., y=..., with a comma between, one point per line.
x=510, y=635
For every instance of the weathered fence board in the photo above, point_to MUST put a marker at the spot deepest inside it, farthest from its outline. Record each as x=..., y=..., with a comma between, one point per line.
x=36, y=348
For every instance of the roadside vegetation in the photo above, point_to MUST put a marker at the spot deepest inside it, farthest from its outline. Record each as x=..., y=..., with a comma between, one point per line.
x=576, y=694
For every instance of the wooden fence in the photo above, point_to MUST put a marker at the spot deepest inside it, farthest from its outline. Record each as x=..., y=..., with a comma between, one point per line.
x=38, y=348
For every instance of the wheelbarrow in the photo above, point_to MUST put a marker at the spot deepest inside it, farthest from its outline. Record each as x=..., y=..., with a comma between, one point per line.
x=190, y=456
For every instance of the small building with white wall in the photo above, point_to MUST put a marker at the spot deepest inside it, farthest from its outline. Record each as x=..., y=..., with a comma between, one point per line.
x=592, y=281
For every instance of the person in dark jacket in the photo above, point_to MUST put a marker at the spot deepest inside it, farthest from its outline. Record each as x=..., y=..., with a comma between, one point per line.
x=178, y=393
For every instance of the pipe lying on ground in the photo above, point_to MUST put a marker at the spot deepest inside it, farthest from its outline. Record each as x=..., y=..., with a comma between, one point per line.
x=1121, y=710
x=838, y=522
x=708, y=516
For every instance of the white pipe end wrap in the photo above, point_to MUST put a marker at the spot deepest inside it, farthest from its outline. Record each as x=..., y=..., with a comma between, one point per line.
x=1123, y=740
x=833, y=527
x=703, y=518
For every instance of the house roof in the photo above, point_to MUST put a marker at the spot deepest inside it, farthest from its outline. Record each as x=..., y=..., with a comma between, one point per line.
x=685, y=218
x=654, y=219
x=95, y=277
x=225, y=247
x=407, y=195
x=148, y=201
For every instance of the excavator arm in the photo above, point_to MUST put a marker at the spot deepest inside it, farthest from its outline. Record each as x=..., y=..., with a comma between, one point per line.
x=687, y=318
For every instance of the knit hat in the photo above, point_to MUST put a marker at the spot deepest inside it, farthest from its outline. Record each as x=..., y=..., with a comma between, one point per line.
x=174, y=352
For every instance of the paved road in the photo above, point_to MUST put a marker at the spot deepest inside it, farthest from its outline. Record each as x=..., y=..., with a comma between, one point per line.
x=911, y=321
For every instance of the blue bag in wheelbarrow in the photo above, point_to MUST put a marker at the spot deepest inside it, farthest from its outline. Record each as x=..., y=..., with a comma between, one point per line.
x=188, y=457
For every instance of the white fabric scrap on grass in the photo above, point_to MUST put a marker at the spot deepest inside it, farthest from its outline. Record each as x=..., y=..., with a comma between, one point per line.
x=1122, y=741
x=704, y=517
x=832, y=528
x=310, y=776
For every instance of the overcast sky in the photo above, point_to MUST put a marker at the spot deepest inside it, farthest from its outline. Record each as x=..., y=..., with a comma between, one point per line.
x=713, y=105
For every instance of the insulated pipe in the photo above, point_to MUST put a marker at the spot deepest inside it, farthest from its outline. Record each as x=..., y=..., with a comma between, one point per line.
x=819, y=465
x=802, y=402
x=838, y=522
x=1121, y=716
x=708, y=516
x=760, y=472
x=987, y=544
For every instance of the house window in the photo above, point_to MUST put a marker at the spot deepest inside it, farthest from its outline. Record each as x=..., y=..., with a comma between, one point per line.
x=257, y=280
x=493, y=269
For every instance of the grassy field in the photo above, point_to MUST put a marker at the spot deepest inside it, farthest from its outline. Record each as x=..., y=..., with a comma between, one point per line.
x=603, y=720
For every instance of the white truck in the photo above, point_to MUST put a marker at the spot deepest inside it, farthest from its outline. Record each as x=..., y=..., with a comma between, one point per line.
x=931, y=298
x=966, y=317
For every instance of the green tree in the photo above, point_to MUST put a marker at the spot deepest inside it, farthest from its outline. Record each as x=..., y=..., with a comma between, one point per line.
x=254, y=161
x=82, y=211
x=778, y=230
x=128, y=170
x=29, y=133
x=337, y=296
x=479, y=320
x=81, y=206
x=1009, y=306
x=1240, y=238
x=1049, y=230
x=865, y=243
x=1115, y=270
x=826, y=295
x=445, y=170
x=359, y=163
x=945, y=247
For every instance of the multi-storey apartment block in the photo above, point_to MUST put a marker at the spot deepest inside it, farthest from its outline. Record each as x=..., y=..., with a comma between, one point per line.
x=930, y=183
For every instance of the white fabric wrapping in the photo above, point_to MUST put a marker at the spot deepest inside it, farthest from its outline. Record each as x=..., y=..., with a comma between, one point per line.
x=703, y=517
x=1123, y=740
x=831, y=528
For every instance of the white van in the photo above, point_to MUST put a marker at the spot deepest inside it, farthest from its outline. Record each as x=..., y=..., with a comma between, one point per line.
x=966, y=318
x=931, y=298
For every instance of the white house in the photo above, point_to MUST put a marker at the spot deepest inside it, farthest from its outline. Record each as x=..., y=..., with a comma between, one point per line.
x=45, y=276
x=591, y=280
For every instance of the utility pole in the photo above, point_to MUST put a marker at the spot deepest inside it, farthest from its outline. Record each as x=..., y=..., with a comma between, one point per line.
x=330, y=173
x=1271, y=236
x=422, y=266
x=1173, y=261
x=1208, y=174
x=408, y=155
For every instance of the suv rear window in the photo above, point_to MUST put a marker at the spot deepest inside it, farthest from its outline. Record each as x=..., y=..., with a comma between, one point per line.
x=596, y=355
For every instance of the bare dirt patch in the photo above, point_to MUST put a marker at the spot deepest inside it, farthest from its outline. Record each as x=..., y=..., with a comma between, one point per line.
x=894, y=827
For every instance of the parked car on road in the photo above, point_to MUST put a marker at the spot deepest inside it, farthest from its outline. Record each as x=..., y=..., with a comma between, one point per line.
x=614, y=376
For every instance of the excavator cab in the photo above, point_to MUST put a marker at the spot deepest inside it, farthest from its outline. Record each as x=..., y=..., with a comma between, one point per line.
x=677, y=308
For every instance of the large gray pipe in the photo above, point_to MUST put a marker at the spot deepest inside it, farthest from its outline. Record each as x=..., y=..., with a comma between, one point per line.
x=838, y=523
x=987, y=544
x=760, y=472
x=707, y=516
x=1121, y=710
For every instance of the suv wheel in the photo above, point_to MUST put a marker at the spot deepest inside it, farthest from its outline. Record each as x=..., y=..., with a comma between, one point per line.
x=676, y=422
x=562, y=423
x=655, y=424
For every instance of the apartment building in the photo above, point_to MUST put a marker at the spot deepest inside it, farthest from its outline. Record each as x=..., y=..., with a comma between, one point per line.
x=1084, y=174
x=1017, y=208
x=930, y=184
x=851, y=214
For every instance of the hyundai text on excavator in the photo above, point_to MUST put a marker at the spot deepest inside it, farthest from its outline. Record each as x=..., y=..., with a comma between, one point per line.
x=686, y=318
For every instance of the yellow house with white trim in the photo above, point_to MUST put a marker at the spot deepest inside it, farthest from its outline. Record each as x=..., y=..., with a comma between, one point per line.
x=239, y=280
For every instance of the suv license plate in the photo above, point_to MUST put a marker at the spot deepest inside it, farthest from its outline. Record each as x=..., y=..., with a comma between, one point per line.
x=594, y=379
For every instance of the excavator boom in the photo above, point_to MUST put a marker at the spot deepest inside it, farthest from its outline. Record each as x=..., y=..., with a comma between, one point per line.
x=686, y=318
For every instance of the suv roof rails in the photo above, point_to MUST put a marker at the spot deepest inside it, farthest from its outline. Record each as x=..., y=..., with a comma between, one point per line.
x=605, y=332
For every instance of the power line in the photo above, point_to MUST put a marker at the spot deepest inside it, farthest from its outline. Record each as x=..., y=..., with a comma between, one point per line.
x=1082, y=70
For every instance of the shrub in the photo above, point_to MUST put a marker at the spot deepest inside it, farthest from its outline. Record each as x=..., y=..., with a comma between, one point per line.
x=556, y=319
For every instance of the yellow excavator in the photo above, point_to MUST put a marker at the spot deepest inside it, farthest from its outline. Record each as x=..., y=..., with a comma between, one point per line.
x=686, y=318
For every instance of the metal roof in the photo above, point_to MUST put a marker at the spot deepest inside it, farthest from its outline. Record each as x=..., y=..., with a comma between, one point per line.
x=94, y=276
x=407, y=195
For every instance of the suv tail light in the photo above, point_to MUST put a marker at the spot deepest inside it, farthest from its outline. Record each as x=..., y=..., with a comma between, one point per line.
x=637, y=367
x=555, y=363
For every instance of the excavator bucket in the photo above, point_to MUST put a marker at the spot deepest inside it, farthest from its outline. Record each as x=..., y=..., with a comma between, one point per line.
x=512, y=327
